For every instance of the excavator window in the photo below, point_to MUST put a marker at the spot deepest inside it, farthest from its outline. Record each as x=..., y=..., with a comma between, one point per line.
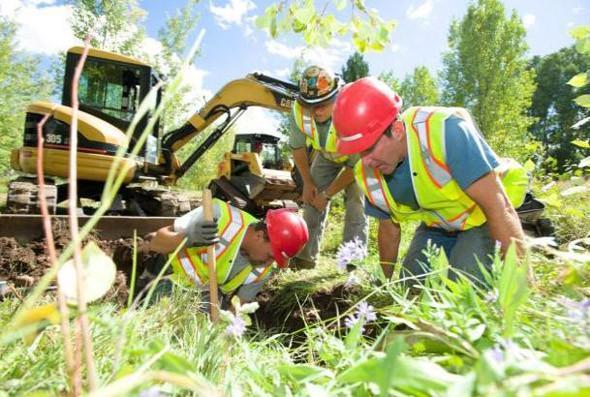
x=110, y=88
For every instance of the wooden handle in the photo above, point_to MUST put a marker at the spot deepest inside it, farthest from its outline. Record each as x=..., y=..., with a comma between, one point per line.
x=212, y=271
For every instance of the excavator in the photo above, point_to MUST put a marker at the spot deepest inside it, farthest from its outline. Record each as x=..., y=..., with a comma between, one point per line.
x=111, y=89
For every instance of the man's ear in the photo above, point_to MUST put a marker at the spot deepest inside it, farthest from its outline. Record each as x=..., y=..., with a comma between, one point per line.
x=398, y=129
x=260, y=235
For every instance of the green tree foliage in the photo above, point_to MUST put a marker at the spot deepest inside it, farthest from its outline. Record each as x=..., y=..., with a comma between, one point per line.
x=297, y=69
x=313, y=21
x=554, y=109
x=113, y=25
x=485, y=70
x=419, y=89
x=174, y=37
x=20, y=84
x=389, y=79
x=356, y=68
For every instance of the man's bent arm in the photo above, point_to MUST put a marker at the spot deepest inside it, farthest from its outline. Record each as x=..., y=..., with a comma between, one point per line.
x=388, y=239
x=345, y=178
x=166, y=240
x=302, y=163
x=503, y=222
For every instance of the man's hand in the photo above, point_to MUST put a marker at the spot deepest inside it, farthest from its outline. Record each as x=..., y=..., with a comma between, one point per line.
x=200, y=233
x=320, y=202
x=310, y=192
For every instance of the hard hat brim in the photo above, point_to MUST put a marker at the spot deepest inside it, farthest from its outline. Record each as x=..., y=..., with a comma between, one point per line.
x=317, y=101
x=348, y=147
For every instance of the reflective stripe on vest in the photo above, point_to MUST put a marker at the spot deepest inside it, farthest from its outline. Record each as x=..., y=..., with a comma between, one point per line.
x=306, y=125
x=192, y=261
x=442, y=202
x=437, y=170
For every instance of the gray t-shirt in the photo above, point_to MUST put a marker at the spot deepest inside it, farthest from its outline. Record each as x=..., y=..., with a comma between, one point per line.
x=246, y=292
x=469, y=157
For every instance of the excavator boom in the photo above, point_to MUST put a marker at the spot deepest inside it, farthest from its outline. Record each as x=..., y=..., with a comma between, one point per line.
x=253, y=90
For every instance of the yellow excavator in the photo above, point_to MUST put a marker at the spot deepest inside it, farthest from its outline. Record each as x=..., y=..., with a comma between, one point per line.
x=111, y=88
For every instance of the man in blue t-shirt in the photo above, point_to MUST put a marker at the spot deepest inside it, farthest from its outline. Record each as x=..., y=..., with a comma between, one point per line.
x=430, y=164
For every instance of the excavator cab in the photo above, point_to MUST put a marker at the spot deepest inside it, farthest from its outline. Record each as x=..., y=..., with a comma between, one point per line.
x=253, y=176
x=112, y=90
x=265, y=145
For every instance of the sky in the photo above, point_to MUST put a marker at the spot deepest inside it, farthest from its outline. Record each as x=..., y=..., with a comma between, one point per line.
x=233, y=47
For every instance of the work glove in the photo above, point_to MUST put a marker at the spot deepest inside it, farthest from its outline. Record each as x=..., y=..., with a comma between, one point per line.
x=201, y=233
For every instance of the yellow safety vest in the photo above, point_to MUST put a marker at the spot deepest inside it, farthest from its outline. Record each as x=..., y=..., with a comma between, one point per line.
x=306, y=125
x=442, y=202
x=190, y=264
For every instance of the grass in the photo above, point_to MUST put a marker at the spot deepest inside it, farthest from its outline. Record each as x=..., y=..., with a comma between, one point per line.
x=449, y=340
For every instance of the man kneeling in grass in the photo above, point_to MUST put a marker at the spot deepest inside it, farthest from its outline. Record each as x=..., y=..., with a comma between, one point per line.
x=245, y=248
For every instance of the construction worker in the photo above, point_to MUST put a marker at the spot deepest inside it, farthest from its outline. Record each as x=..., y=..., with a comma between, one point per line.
x=429, y=164
x=245, y=247
x=329, y=173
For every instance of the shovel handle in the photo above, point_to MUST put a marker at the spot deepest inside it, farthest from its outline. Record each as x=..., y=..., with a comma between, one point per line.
x=211, y=266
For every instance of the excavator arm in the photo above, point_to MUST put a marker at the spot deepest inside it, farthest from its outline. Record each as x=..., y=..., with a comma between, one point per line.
x=231, y=101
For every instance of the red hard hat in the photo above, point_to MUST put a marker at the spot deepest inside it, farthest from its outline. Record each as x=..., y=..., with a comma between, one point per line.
x=362, y=112
x=287, y=233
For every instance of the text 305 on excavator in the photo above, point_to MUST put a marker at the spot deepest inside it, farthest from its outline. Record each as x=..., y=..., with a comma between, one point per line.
x=110, y=90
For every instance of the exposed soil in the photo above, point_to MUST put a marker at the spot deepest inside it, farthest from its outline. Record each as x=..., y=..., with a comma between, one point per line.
x=22, y=265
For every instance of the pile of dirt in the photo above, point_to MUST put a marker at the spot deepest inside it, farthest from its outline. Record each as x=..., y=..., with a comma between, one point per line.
x=22, y=265
x=322, y=304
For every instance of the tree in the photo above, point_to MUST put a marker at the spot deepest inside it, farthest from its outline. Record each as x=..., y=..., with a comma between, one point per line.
x=174, y=39
x=297, y=69
x=389, y=79
x=113, y=25
x=318, y=27
x=356, y=68
x=419, y=89
x=554, y=109
x=20, y=84
x=486, y=71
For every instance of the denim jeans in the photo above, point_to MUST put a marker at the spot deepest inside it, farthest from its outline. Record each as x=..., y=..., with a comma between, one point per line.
x=463, y=249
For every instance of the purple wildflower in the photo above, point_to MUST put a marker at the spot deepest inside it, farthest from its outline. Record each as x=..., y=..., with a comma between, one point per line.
x=237, y=326
x=496, y=354
x=350, y=251
x=151, y=392
x=352, y=281
x=366, y=312
x=577, y=311
x=351, y=320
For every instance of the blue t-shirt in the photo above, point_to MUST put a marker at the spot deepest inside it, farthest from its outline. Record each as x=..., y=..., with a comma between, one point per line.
x=469, y=157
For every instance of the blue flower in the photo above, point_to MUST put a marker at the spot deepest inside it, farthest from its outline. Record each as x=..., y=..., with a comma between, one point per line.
x=151, y=392
x=352, y=281
x=578, y=312
x=351, y=320
x=350, y=251
x=237, y=327
x=366, y=312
